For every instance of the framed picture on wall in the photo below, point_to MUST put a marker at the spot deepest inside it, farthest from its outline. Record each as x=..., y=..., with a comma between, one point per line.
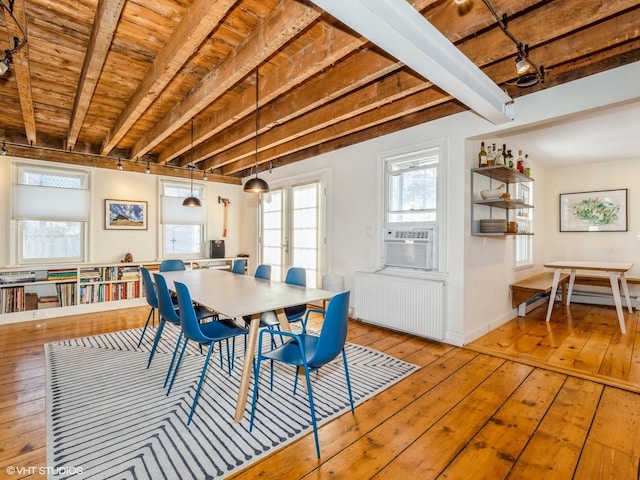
x=125, y=215
x=597, y=211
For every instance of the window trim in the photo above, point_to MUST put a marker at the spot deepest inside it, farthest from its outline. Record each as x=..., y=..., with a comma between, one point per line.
x=200, y=191
x=440, y=223
x=17, y=167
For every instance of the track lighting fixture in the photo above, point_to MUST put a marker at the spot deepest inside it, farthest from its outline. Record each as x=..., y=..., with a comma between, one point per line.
x=3, y=150
x=528, y=73
x=119, y=166
x=17, y=43
x=148, y=170
x=204, y=176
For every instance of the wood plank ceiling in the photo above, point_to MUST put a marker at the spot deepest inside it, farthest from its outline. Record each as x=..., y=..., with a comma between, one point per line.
x=128, y=78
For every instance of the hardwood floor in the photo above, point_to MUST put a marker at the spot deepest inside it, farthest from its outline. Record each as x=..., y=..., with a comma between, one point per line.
x=512, y=410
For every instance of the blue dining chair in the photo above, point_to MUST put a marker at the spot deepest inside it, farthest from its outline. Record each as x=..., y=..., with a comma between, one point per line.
x=208, y=333
x=239, y=266
x=152, y=300
x=168, y=313
x=172, y=265
x=309, y=352
x=296, y=313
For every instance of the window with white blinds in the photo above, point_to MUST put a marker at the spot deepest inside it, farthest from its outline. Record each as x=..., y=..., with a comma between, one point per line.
x=51, y=206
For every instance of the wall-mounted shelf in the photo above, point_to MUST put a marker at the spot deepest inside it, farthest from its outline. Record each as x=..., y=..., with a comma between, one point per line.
x=485, y=207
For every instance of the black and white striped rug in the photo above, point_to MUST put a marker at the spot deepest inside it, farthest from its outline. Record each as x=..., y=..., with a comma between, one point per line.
x=109, y=417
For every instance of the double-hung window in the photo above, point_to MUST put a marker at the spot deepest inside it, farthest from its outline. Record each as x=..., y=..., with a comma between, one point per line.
x=412, y=188
x=51, y=207
x=183, y=228
x=413, y=207
x=524, y=217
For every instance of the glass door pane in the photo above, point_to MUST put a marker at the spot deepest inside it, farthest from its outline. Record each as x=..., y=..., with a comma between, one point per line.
x=305, y=229
x=292, y=229
x=273, y=251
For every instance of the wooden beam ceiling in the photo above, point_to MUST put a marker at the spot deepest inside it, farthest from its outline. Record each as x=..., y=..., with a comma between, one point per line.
x=125, y=78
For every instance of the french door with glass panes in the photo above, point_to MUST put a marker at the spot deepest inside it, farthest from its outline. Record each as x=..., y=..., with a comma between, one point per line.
x=292, y=229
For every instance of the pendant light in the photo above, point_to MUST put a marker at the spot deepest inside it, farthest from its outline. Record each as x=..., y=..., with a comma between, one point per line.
x=256, y=185
x=191, y=201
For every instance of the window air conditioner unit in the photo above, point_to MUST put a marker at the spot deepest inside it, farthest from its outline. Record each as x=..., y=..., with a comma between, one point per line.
x=415, y=249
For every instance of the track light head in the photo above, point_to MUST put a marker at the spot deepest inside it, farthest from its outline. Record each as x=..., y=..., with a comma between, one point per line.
x=3, y=150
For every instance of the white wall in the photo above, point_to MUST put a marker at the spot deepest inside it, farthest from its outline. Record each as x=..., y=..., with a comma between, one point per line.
x=606, y=246
x=478, y=270
x=107, y=246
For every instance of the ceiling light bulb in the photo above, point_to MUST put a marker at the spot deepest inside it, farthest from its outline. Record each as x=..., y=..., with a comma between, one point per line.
x=4, y=66
x=522, y=66
x=3, y=150
x=120, y=165
x=148, y=170
x=204, y=176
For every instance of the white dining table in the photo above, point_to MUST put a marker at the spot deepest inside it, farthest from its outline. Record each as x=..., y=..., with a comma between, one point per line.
x=234, y=296
x=615, y=270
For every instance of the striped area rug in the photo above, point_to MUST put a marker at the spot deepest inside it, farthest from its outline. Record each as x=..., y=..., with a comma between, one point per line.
x=109, y=417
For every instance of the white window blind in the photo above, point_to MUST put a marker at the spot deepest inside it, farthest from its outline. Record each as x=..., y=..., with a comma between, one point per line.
x=35, y=202
x=174, y=213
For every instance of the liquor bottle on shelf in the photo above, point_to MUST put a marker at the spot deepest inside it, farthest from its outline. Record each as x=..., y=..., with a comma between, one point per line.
x=491, y=155
x=499, y=160
x=527, y=168
x=520, y=163
x=508, y=161
x=482, y=156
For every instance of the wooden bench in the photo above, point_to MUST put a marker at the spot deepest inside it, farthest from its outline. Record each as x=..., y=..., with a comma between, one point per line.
x=601, y=280
x=530, y=287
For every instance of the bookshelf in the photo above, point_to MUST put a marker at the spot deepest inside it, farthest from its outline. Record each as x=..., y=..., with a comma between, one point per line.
x=41, y=291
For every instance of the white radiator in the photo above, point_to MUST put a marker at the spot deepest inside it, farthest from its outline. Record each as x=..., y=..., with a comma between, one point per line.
x=405, y=304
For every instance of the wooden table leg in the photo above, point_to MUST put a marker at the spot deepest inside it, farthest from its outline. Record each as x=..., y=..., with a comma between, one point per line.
x=554, y=289
x=247, y=368
x=625, y=289
x=572, y=279
x=613, y=279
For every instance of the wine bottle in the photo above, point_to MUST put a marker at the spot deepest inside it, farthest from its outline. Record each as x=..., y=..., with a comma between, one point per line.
x=499, y=160
x=527, y=168
x=482, y=156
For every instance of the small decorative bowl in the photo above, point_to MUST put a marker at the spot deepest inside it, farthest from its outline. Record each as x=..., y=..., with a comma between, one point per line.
x=489, y=194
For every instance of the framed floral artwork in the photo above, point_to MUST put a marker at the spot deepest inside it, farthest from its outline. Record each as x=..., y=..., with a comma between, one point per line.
x=597, y=211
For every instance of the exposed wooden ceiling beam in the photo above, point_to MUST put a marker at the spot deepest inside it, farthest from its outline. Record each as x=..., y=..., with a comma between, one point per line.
x=357, y=71
x=99, y=161
x=104, y=27
x=22, y=71
x=501, y=72
x=330, y=46
x=279, y=144
x=286, y=21
x=197, y=24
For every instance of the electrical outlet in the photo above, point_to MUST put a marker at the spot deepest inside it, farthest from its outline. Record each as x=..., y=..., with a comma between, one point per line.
x=40, y=314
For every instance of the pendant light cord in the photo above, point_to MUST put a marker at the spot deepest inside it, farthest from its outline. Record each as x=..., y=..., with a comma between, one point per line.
x=257, y=120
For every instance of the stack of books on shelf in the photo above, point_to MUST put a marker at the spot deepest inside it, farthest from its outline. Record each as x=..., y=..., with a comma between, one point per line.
x=90, y=275
x=70, y=274
x=50, y=301
x=17, y=277
x=66, y=294
x=12, y=300
x=128, y=274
